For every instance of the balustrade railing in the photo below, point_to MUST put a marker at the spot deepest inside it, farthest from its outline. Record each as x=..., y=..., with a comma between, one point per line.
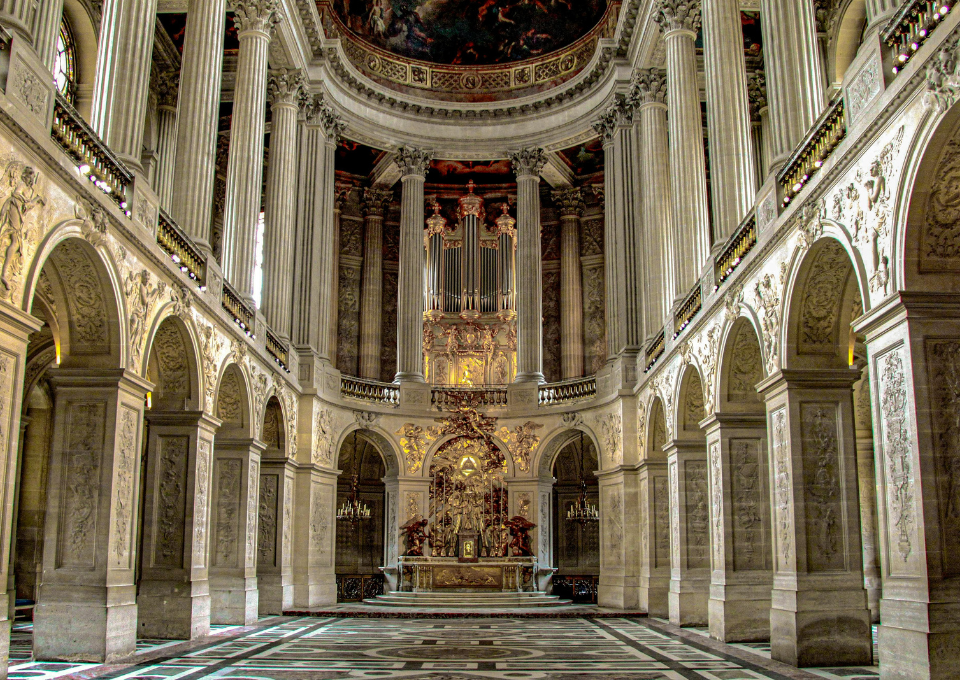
x=688, y=310
x=242, y=314
x=911, y=26
x=741, y=243
x=181, y=250
x=452, y=397
x=93, y=158
x=810, y=156
x=655, y=350
x=278, y=351
x=568, y=391
x=371, y=391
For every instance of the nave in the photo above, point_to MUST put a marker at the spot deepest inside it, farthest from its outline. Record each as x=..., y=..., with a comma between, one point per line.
x=604, y=647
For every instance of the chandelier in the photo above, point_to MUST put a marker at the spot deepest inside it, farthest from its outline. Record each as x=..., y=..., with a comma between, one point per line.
x=353, y=510
x=582, y=512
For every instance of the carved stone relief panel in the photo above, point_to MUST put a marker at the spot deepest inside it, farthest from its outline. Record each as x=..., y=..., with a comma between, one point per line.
x=822, y=300
x=823, y=495
x=320, y=525
x=591, y=237
x=348, y=330
x=253, y=488
x=552, y=370
x=287, y=531
x=783, y=490
x=717, y=537
x=672, y=473
x=746, y=491
x=412, y=505
x=661, y=524
x=226, y=548
x=594, y=319
x=89, y=331
x=613, y=526
x=943, y=367
x=746, y=367
x=80, y=485
x=523, y=504
x=171, y=485
x=229, y=399
x=201, y=510
x=22, y=196
x=127, y=457
x=940, y=236
x=698, y=515
x=351, y=236
x=693, y=407
x=173, y=381
x=267, y=524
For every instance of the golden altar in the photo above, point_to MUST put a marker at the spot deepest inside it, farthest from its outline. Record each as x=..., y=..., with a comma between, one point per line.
x=503, y=574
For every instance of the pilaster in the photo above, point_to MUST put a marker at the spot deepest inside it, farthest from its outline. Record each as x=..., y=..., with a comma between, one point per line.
x=314, y=537
x=375, y=202
x=571, y=204
x=275, y=536
x=619, y=542
x=689, y=533
x=654, y=529
x=168, y=86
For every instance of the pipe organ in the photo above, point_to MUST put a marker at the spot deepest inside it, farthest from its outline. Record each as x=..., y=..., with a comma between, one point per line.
x=469, y=335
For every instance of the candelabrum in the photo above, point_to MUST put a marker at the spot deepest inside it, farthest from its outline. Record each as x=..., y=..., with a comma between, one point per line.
x=353, y=509
x=581, y=511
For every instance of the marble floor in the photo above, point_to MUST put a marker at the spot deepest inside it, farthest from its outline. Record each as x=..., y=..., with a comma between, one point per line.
x=317, y=648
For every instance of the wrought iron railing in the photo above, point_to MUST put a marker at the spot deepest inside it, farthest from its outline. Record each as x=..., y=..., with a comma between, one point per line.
x=810, y=156
x=92, y=156
x=278, y=350
x=452, y=397
x=741, y=243
x=568, y=391
x=688, y=310
x=181, y=250
x=371, y=391
x=580, y=589
x=359, y=587
x=655, y=350
x=911, y=26
x=242, y=314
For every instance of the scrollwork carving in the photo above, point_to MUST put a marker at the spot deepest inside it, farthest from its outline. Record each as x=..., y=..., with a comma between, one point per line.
x=897, y=450
x=522, y=441
x=611, y=428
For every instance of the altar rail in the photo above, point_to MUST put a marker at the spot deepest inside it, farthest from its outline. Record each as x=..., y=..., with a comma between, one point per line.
x=911, y=26
x=568, y=391
x=451, y=397
x=371, y=391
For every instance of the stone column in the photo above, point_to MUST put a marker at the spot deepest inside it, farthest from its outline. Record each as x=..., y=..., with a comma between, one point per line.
x=198, y=113
x=88, y=608
x=174, y=598
x=275, y=536
x=49, y=18
x=314, y=537
x=233, y=517
x=414, y=164
x=316, y=274
x=794, y=73
x=760, y=117
x=255, y=20
x=819, y=614
x=375, y=202
x=18, y=16
x=690, y=533
x=654, y=529
x=280, y=219
x=741, y=574
x=527, y=164
x=122, y=85
x=341, y=192
x=867, y=482
x=660, y=240
x=168, y=85
x=680, y=21
x=15, y=330
x=571, y=205
x=606, y=127
x=732, y=169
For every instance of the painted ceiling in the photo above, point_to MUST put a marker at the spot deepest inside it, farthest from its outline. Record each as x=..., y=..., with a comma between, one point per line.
x=471, y=32
x=175, y=24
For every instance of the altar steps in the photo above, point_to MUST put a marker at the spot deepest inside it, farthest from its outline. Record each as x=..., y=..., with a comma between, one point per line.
x=468, y=600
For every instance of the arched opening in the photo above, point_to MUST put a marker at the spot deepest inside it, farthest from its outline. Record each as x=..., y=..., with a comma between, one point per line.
x=361, y=546
x=576, y=551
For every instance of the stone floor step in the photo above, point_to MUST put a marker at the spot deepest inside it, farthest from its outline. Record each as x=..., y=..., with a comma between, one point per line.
x=467, y=600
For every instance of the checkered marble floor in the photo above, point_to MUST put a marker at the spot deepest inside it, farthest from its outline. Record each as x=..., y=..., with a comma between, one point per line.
x=434, y=649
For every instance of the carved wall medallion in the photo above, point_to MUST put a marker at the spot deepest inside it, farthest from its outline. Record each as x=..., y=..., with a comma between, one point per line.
x=821, y=300
x=229, y=398
x=89, y=330
x=746, y=367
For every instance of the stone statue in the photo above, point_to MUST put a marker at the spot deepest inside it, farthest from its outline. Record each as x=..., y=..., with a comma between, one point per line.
x=23, y=197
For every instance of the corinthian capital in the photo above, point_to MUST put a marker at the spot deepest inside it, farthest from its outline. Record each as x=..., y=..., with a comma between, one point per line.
x=677, y=15
x=374, y=200
x=318, y=114
x=167, y=87
x=286, y=87
x=256, y=15
x=528, y=162
x=569, y=202
x=413, y=161
x=649, y=87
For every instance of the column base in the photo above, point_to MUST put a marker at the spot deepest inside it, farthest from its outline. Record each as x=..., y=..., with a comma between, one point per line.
x=308, y=596
x=654, y=595
x=234, y=600
x=409, y=378
x=687, y=601
x=740, y=613
x=530, y=378
x=915, y=655
x=84, y=632
x=618, y=594
x=276, y=594
x=173, y=610
x=811, y=634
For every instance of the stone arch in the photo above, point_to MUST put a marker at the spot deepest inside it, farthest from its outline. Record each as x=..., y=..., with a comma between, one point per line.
x=741, y=368
x=656, y=430
x=392, y=460
x=690, y=408
x=174, y=367
x=233, y=403
x=273, y=431
x=555, y=442
x=823, y=297
x=440, y=443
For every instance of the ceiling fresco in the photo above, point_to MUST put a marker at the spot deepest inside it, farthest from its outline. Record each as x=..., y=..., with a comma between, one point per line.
x=460, y=172
x=584, y=159
x=357, y=159
x=471, y=32
x=175, y=24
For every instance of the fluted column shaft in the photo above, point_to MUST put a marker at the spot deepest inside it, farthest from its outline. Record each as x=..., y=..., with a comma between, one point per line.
x=280, y=219
x=122, y=84
x=255, y=21
x=341, y=191
x=660, y=239
x=49, y=18
x=527, y=165
x=732, y=168
x=198, y=113
x=411, y=285
x=570, y=202
x=613, y=293
x=167, y=86
x=375, y=202
x=18, y=16
x=793, y=70
x=687, y=165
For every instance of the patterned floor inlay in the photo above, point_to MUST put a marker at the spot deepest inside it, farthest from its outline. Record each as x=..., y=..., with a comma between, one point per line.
x=311, y=648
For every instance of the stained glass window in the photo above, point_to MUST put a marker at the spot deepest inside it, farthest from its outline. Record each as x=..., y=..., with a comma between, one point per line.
x=64, y=68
